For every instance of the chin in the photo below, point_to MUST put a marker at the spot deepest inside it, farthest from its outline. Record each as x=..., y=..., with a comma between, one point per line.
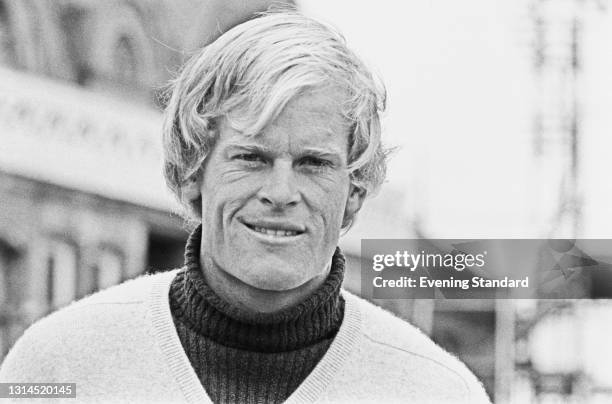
x=274, y=281
x=271, y=271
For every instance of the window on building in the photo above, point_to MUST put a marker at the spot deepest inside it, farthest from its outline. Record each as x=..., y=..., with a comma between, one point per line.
x=73, y=23
x=125, y=61
x=10, y=291
x=7, y=40
x=164, y=252
x=108, y=270
x=62, y=267
x=5, y=314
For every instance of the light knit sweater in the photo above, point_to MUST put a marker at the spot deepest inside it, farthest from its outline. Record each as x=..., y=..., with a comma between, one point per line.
x=120, y=346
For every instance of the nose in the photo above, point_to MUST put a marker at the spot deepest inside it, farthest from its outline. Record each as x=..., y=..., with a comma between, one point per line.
x=279, y=189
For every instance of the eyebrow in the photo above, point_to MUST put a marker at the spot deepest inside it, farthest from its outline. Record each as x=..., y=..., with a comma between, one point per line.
x=321, y=153
x=248, y=148
x=331, y=154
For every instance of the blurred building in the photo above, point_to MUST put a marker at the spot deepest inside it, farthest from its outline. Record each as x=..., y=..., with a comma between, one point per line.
x=82, y=200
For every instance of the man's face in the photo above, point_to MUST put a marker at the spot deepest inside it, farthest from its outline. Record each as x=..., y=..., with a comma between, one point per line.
x=273, y=203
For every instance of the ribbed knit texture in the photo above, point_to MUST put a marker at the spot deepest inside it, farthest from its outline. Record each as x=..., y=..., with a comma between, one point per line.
x=241, y=357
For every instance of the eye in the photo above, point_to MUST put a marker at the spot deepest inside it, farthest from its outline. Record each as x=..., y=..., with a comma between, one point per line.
x=249, y=157
x=315, y=162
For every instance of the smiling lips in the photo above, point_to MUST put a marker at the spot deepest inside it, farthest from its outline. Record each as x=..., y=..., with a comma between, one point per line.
x=275, y=228
x=276, y=233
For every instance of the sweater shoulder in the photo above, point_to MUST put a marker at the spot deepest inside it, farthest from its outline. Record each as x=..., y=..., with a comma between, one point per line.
x=409, y=346
x=98, y=322
x=134, y=290
x=110, y=303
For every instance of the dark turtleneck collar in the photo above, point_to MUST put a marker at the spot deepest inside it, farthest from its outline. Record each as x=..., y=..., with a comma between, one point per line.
x=313, y=320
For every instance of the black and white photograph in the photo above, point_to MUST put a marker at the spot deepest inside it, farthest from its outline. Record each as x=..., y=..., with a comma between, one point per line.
x=306, y=201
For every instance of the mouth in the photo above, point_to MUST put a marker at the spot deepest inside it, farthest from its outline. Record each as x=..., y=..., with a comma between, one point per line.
x=275, y=229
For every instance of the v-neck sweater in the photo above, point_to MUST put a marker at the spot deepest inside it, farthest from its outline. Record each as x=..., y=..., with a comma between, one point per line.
x=121, y=346
x=243, y=357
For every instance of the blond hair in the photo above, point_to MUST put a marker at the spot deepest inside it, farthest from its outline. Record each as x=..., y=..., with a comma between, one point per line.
x=257, y=67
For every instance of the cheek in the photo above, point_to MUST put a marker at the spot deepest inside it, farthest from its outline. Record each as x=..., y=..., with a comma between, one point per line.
x=328, y=204
x=338, y=212
x=225, y=192
x=221, y=209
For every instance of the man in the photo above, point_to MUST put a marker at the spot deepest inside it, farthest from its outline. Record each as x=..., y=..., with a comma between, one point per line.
x=272, y=142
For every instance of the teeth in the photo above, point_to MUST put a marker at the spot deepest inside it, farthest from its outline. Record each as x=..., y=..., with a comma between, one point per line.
x=276, y=233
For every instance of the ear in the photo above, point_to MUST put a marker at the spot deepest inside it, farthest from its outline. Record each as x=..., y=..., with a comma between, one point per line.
x=353, y=204
x=191, y=195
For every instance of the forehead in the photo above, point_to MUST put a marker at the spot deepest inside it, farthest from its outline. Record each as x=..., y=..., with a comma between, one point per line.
x=312, y=118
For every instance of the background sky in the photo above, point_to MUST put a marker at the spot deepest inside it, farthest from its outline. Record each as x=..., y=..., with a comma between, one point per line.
x=462, y=95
